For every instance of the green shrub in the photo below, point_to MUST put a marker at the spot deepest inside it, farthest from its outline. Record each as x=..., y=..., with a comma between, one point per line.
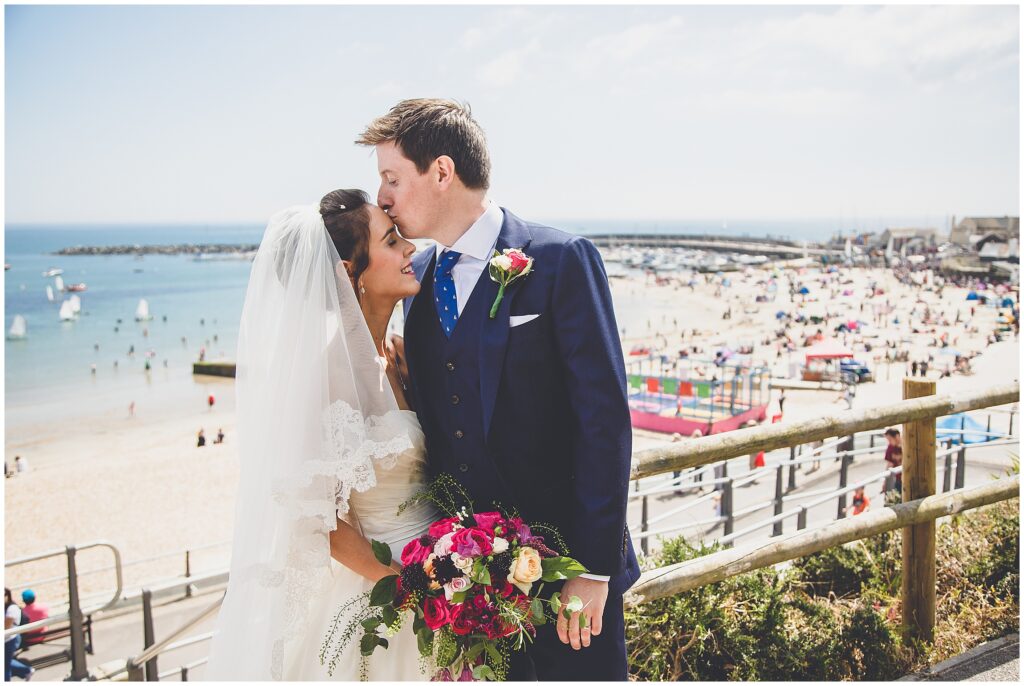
x=833, y=615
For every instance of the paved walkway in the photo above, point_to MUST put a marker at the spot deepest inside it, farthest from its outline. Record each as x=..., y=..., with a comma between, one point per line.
x=997, y=660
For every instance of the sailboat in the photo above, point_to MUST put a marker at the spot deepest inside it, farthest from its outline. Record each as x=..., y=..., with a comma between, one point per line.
x=67, y=311
x=18, y=329
x=76, y=304
x=142, y=311
x=49, y=293
x=58, y=283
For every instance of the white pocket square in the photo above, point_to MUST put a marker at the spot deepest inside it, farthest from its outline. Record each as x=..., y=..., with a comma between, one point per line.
x=520, y=319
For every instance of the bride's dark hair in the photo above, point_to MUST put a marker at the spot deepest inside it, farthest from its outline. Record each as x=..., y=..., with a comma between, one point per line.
x=348, y=224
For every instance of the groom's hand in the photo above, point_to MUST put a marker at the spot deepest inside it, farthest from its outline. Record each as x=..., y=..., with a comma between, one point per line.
x=594, y=595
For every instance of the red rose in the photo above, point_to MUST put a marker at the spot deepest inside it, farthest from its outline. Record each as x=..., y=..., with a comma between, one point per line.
x=435, y=613
x=415, y=552
x=505, y=589
x=472, y=542
x=519, y=261
x=442, y=527
x=488, y=520
x=462, y=621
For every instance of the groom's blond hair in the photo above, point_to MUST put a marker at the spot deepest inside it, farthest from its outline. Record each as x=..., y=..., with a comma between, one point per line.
x=427, y=128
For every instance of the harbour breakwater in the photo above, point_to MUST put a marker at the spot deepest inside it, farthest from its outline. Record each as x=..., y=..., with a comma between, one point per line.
x=180, y=249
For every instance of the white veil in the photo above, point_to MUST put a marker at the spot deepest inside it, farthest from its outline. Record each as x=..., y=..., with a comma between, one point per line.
x=314, y=412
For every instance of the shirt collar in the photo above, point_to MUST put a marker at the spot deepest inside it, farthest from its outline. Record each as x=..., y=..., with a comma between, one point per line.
x=479, y=240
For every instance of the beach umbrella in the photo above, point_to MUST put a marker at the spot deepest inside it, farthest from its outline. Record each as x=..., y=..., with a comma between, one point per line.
x=805, y=290
x=950, y=428
x=780, y=314
x=1007, y=302
x=972, y=295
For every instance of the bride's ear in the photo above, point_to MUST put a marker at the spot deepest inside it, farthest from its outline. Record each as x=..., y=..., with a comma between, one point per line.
x=346, y=271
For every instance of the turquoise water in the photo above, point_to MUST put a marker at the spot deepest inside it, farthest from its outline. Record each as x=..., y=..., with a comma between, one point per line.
x=193, y=300
x=199, y=300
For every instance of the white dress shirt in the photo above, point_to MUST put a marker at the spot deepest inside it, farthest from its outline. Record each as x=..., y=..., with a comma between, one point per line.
x=477, y=248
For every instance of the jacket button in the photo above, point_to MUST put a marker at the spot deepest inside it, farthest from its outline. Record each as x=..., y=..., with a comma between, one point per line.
x=455, y=400
x=450, y=366
x=459, y=434
x=463, y=467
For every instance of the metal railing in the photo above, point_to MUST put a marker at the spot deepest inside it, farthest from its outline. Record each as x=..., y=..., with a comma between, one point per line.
x=75, y=613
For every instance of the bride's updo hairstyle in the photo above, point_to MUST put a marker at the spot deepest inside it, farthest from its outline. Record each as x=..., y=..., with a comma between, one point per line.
x=348, y=224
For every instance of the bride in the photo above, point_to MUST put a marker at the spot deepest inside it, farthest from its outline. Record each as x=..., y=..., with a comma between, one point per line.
x=328, y=446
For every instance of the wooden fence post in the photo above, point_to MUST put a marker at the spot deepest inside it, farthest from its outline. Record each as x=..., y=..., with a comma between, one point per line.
x=918, y=583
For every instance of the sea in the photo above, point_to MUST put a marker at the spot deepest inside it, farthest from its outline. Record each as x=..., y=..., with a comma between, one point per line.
x=98, y=362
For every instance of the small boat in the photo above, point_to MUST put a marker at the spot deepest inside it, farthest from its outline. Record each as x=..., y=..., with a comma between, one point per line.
x=67, y=311
x=49, y=293
x=76, y=287
x=53, y=271
x=142, y=311
x=18, y=329
x=58, y=283
x=7, y=266
x=76, y=304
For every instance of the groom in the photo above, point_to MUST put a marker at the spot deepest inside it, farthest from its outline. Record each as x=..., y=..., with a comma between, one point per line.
x=528, y=408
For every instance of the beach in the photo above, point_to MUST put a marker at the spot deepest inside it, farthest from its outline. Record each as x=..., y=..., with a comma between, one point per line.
x=141, y=483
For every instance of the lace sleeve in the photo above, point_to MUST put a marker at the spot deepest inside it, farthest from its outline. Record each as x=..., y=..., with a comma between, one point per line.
x=353, y=448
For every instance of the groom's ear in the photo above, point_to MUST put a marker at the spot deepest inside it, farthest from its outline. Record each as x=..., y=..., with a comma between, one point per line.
x=445, y=171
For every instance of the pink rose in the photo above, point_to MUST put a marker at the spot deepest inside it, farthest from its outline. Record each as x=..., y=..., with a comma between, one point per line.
x=457, y=585
x=435, y=613
x=444, y=544
x=519, y=261
x=472, y=542
x=415, y=552
x=442, y=527
x=488, y=520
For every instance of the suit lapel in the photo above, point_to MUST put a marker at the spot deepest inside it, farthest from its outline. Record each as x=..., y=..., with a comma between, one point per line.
x=494, y=337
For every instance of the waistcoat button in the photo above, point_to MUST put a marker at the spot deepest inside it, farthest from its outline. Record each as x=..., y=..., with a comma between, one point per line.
x=450, y=366
x=455, y=400
x=463, y=467
x=459, y=434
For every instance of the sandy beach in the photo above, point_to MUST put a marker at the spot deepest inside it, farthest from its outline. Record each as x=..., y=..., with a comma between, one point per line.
x=141, y=484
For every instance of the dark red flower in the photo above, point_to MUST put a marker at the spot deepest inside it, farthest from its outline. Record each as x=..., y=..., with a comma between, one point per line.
x=435, y=613
x=462, y=621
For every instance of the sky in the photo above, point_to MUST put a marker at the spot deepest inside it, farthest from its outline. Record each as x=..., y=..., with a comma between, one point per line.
x=226, y=114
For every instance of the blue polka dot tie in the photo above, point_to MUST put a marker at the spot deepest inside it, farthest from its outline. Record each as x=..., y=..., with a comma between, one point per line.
x=445, y=300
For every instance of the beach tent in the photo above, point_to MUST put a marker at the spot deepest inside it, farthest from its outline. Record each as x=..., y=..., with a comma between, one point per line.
x=805, y=290
x=1007, y=302
x=780, y=315
x=829, y=349
x=949, y=428
x=972, y=295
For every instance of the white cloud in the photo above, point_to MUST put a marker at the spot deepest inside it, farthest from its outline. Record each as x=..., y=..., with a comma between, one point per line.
x=509, y=66
x=472, y=37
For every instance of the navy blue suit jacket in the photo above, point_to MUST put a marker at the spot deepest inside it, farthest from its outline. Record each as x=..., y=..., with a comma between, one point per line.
x=552, y=391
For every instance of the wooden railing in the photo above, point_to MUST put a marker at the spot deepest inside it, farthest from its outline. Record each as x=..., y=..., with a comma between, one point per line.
x=916, y=515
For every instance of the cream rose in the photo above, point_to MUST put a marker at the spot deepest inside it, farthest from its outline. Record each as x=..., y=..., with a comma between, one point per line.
x=463, y=563
x=526, y=569
x=500, y=545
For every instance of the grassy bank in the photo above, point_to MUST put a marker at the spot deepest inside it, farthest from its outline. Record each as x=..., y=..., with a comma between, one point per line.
x=834, y=615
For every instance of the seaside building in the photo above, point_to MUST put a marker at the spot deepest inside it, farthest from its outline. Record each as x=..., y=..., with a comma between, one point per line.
x=988, y=247
x=904, y=241
x=970, y=231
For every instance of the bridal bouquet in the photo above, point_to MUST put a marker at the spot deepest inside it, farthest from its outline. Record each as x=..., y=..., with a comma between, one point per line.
x=472, y=585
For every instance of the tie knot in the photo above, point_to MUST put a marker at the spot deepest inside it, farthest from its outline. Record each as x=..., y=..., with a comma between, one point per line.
x=447, y=261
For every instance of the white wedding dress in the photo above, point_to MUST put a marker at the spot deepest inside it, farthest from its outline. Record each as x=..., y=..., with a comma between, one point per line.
x=398, y=478
x=321, y=439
